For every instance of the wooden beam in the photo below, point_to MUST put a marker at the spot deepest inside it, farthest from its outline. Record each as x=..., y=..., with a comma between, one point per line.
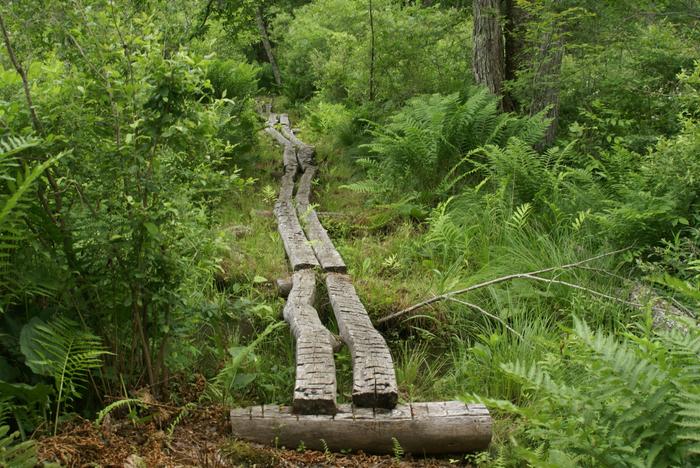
x=321, y=243
x=315, y=387
x=419, y=428
x=374, y=379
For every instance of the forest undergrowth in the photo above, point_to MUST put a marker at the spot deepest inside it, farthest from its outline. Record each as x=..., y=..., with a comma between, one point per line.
x=528, y=239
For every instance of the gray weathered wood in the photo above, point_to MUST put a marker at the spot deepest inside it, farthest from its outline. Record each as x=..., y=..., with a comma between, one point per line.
x=456, y=428
x=323, y=247
x=272, y=119
x=283, y=286
x=315, y=386
x=298, y=250
x=277, y=136
x=305, y=152
x=289, y=157
x=374, y=379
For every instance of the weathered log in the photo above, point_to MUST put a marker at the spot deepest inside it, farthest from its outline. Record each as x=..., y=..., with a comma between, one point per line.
x=665, y=316
x=283, y=287
x=315, y=387
x=374, y=379
x=277, y=136
x=323, y=247
x=272, y=119
x=299, y=252
x=305, y=153
x=419, y=428
x=289, y=157
x=305, y=156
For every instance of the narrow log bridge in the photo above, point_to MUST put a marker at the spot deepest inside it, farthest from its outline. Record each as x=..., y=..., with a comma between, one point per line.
x=373, y=419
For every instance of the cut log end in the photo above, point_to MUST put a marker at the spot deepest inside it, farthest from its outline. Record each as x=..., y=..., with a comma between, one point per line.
x=380, y=399
x=420, y=428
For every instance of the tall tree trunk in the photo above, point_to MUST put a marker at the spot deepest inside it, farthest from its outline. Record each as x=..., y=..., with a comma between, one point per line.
x=372, y=52
x=488, y=56
x=262, y=27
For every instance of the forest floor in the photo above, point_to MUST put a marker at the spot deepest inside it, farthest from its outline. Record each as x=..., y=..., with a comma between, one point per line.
x=202, y=440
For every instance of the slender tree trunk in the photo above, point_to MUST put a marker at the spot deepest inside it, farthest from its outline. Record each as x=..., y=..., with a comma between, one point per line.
x=488, y=55
x=372, y=52
x=262, y=27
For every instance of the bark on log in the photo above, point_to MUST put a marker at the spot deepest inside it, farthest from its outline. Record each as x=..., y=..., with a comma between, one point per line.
x=315, y=386
x=305, y=153
x=272, y=119
x=420, y=428
x=374, y=380
x=283, y=286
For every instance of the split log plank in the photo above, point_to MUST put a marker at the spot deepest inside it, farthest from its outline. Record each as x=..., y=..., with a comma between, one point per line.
x=374, y=379
x=277, y=136
x=298, y=250
x=305, y=152
x=323, y=247
x=315, y=386
x=420, y=428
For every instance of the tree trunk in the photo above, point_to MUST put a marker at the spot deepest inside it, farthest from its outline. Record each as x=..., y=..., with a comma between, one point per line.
x=488, y=55
x=262, y=27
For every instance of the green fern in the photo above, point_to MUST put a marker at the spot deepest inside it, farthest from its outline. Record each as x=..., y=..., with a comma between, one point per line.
x=116, y=405
x=397, y=449
x=612, y=403
x=222, y=386
x=16, y=455
x=18, y=178
x=62, y=350
x=423, y=147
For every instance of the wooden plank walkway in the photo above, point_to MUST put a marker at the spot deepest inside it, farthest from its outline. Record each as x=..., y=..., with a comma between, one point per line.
x=373, y=421
x=374, y=378
x=420, y=428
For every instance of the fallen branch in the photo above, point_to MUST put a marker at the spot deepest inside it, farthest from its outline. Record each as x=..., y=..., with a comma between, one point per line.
x=494, y=281
x=488, y=314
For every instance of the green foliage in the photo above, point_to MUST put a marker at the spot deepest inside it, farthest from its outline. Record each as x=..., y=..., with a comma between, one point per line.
x=18, y=179
x=16, y=455
x=230, y=379
x=232, y=79
x=610, y=402
x=325, y=48
x=421, y=148
x=59, y=349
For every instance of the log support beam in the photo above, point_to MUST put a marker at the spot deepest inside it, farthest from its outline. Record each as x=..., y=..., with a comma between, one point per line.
x=420, y=428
